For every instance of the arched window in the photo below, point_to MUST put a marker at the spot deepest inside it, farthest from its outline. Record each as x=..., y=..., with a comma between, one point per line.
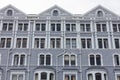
x=9, y=12
x=55, y=13
x=92, y=60
x=66, y=60
x=100, y=14
x=98, y=60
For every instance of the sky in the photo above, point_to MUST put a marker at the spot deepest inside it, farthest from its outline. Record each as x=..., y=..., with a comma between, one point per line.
x=72, y=6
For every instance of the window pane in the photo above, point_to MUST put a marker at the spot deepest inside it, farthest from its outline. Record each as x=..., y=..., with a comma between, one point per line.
x=37, y=27
x=22, y=60
x=43, y=76
x=25, y=26
x=98, y=60
x=8, y=43
x=2, y=43
x=67, y=27
x=73, y=43
x=14, y=77
x=58, y=27
x=116, y=41
x=20, y=77
x=98, y=27
x=105, y=43
x=114, y=27
x=90, y=77
x=51, y=76
x=43, y=27
x=73, y=60
x=67, y=77
x=67, y=43
x=98, y=76
x=52, y=27
x=4, y=27
x=82, y=27
x=119, y=27
x=42, y=43
x=73, y=27
x=100, y=43
x=36, y=45
x=48, y=59
x=89, y=45
x=10, y=27
x=58, y=43
x=87, y=27
x=66, y=60
x=92, y=60
x=16, y=59
x=83, y=44
x=24, y=44
x=18, y=43
x=41, y=59
x=52, y=43
x=104, y=28
x=36, y=76
x=118, y=77
x=116, y=59
x=73, y=77
x=20, y=25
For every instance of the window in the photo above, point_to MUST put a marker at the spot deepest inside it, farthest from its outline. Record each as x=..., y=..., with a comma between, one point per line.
x=48, y=75
x=18, y=76
x=103, y=43
x=101, y=27
x=117, y=43
x=55, y=13
x=70, y=77
x=55, y=27
x=97, y=75
x=70, y=42
x=21, y=43
x=39, y=43
x=116, y=27
x=85, y=28
x=45, y=59
x=55, y=43
x=5, y=42
x=95, y=60
x=117, y=76
x=9, y=12
x=19, y=60
x=40, y=27
x=86, y=43
x=100, y=14
x=70, y=27
x=69, y=60
x=22, y=26
x=7, y=27
x=116, y=60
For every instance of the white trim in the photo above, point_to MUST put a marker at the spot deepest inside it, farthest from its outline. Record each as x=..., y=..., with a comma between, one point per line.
x=70, y=73
x=114, y=59
x=12, y=12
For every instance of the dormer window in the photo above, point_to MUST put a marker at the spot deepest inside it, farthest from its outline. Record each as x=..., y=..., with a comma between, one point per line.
x=55, y=13
x=9, y=12
x=100, y=14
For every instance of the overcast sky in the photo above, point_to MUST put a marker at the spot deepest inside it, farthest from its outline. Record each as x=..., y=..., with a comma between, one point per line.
x=72, y=6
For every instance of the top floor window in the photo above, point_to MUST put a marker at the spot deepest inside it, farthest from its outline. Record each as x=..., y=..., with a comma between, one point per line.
x=55, y=27
x=116, y=27
x=22, y=26
x=7, y=27
x=55, y=13
x=100, y=14
x=101, y=27
x=9, y=12
x=40, y=27
x=85, y=27
x=70, y=27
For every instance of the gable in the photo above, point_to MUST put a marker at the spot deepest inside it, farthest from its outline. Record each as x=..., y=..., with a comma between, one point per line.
x=95, y=13
x=50, y=12
x=15, y=12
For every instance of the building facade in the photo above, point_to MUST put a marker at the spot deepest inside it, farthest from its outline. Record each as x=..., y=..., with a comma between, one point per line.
x=58, y=45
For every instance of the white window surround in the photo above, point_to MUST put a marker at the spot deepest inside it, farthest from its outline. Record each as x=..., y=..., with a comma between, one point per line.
x=34, y=29
x=113, y=38
x=19, y=58
x=55, y=10
x=8, y=37
x=70, y=73
x=93, y=72
x=43, y=70
x=23, y=25
x=44, y=58
x=114, y=59
x=55, y=42
x=21, y=38
x=95, y=58
x=100, y=10
x=69, y=54
x=9, y=9
x=17, y=73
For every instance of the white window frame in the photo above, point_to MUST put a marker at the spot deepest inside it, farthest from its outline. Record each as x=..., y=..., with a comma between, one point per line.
x=22, y=41
x=93, y=72
x=19, y=54
x=69, y=54
x=56, y=26
x=44, y=59
x=70, y=73
x=17, y=73
x=114, y=42
x=21, y=22
x=85, y=27
x=114, y=59
x=71, y=27
x=9, y=9
x=7, y=25
x=5, y=41
x=95, y=59
x=117, y=26
x=55, y=42
x=40, y=25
